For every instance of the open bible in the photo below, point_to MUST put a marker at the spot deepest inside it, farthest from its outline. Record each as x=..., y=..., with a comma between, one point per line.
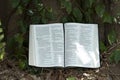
x=64, y=45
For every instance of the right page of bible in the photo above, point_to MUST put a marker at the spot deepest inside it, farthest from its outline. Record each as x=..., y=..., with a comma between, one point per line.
x=81, y=45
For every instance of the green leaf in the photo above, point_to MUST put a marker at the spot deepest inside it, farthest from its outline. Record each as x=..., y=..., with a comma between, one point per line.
x=35, y=19
x=25, y=2
x=2, y=53
x=102, y=46
x=115, y=56
x=22, y=64
x=91, y=2
x=100, y=9
x=77, y=14
x=0, y=23
x=36, y=1
x=67, y=4
x=69, y=7
x=86, y=4
x=15, y=3
x=50, y=15
x=1, y=37
x=71, y=78
x=107, y=18
x=22, y=26
x=43, y=16
x=111, y=58
x=19, y=39
x=49, y=9
x=112, y=37
x=1, y=30
x=2, y=44
x=88, y=16
x=20, y=10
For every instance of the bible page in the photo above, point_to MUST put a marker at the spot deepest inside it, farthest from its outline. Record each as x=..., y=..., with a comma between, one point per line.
x=81, y=45
x=49, y=45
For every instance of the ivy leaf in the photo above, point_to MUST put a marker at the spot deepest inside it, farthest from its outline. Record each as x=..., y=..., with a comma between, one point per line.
x=67, y=4
x=2, y=44
x=115, y=56
x=91, y=2
x=22, y=64
x=25, y=2
x=71, y=78
x=0, y=23
x=100, y=9
x=88, y=18
x=112, y=56
x=68, y=7
x=43, y=16
x=19, y=39
x=1, y=37
x=15, y=3
x=35, y=19
x=50, y=15
x=77, y=14
x=102, y=46
x=2, y=53
x=86, y=4
x=22, y=26
x=20, y=10
x=107, y=18
x=112, y=37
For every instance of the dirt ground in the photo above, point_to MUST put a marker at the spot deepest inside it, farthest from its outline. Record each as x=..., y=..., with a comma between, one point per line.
x=10, y=71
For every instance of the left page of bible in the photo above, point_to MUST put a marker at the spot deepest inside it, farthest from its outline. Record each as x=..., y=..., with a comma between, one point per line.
x=46, y=46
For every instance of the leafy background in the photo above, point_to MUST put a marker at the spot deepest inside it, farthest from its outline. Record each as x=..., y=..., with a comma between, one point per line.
x=38, y=12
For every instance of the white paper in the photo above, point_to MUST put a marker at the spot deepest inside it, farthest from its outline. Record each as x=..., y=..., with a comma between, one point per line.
x=32, y=51
x=49, y=45
x=81, y=45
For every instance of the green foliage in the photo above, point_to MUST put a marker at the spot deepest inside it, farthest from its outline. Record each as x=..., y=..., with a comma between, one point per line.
x=91, y=2
x=19, y=39
x=114, y=50
x=102, y=46
x=77, y=14
x=67, y=5
x=15, y=3
x=115, y=56
x=2, y=43
x=0, y=23
x=22, y=63
x=100, y=10
x=112, y=37
x=107, y=18
x=35, y=12
x=71, y=78
x=85, y=10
